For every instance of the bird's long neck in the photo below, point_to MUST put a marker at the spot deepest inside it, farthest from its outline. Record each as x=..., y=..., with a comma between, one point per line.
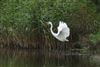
x=54, y=34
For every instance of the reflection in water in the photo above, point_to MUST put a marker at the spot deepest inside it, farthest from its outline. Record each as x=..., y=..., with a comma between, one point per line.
x=38, y=58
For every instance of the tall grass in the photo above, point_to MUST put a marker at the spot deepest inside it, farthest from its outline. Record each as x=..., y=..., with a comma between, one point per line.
x=23, y=23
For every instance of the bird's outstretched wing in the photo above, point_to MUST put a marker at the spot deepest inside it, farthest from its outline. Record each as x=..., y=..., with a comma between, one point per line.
x=63, y=30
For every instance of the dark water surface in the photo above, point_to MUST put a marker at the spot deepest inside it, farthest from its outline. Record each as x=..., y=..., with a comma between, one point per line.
x=43, y=58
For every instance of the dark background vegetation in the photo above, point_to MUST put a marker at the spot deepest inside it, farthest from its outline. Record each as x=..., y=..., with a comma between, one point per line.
x=23, y=23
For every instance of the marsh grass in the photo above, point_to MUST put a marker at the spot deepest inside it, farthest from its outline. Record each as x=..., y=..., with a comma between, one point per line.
x=23, y=23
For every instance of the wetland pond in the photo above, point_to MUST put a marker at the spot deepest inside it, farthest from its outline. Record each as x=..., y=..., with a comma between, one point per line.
x=44, y=58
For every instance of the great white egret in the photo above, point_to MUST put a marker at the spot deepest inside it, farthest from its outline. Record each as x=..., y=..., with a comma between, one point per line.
x=63, y=31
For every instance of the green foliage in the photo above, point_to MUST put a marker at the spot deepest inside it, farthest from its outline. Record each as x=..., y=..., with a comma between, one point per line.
x=95, y=37
x=28, y=18
x=16, y=15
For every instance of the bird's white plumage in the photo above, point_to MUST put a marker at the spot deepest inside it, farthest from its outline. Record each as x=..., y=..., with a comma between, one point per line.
x=63, y=31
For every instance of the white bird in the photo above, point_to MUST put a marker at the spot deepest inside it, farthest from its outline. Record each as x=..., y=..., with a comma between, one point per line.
x=63, y=31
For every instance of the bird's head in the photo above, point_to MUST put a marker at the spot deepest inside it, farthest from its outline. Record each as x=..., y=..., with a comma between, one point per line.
x=49, y=23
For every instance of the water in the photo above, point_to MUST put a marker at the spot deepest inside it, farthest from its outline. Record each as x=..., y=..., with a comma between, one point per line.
x=43, y=58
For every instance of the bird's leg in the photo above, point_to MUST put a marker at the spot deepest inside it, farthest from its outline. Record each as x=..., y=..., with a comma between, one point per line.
x=64, y=46
x=59, y=46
